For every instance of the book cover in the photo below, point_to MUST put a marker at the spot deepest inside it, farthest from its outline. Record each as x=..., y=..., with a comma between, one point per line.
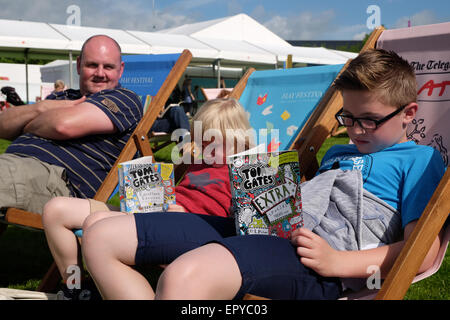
x=145, y=186
x=266, y=195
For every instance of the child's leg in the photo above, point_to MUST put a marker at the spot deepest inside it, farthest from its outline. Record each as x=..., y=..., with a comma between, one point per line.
x=100, y=215
x=109, y=248
x=209, y=272
x=60, y=216
x=266, y=266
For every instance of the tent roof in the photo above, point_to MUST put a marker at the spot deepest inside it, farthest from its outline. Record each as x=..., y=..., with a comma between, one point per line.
x=236, y=40
x=239, y=27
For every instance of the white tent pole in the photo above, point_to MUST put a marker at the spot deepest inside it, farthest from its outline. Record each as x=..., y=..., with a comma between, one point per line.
x=26, y=73
x=70, y=69
x=218, y=73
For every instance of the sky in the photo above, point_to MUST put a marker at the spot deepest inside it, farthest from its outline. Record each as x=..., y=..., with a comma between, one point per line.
x=289, y=19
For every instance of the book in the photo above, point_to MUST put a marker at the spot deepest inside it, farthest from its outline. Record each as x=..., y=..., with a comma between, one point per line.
x=265, y=190
x=145, y=186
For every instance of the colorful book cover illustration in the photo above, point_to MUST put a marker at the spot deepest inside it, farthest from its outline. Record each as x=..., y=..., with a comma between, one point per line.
x=145, y=186
x=265, y=189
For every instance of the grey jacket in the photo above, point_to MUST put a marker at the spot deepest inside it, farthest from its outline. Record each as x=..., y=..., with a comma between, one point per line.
x=340, y=210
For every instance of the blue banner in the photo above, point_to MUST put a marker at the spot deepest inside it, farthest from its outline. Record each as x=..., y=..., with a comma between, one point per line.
x=144, y=74
x=284, y=99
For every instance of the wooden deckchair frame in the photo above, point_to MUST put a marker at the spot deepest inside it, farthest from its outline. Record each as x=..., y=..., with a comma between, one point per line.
x=428, y=227
x=138, y=142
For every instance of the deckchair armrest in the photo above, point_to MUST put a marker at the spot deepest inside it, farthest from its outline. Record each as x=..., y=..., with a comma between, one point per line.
x=418, y=244
x=24, y=218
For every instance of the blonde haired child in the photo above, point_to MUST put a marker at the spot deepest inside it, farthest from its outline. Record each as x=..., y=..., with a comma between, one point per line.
x=204, y=189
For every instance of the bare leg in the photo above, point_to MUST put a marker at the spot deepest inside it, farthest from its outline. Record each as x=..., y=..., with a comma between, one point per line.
x=99, y=215
x=109, y=248
x=208, y=272
x=60, y=216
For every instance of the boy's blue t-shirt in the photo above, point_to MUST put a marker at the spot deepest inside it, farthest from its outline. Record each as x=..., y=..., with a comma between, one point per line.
x=404, y=175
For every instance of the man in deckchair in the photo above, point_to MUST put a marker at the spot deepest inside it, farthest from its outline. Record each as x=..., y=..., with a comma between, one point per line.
x=65, y=146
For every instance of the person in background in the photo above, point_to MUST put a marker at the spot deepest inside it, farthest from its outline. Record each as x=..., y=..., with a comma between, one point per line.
x=12, y=97
x=173, y=116
x=59, y=86
x=188, y=97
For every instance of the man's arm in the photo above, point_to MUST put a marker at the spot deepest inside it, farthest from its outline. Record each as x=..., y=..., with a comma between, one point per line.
x=319, y=256
x=14, y=120
x=71, y=122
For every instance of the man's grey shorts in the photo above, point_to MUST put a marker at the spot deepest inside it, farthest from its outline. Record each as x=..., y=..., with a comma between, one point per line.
x=27, y=183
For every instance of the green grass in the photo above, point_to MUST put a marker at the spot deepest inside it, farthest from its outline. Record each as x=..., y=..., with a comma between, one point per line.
x=3, y=145
x=25, y=256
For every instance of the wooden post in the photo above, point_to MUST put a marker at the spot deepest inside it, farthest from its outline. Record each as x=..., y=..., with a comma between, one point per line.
x=240, y=86
x=289, y=61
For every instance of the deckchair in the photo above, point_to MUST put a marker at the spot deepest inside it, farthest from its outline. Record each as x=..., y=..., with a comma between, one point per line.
x=434, y=43
x=138, y=142
x=213, y=93
x=284, y=99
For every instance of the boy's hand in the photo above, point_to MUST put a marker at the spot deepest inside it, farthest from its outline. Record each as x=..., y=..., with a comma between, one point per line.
x=315, y=252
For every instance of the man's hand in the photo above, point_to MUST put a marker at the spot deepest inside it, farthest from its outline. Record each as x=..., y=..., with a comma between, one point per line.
x=315, y=252
x=46, y=105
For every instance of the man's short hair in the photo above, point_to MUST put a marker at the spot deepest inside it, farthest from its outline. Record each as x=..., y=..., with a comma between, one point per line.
x=382, y=72
x=101, y=35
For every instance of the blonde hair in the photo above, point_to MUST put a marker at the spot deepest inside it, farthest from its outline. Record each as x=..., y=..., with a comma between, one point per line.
x=59, y=84
x=382, y=72
x=227, y=117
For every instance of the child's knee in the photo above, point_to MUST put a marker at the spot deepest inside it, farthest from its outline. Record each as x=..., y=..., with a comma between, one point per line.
x=109, y=238
x=53, y=209
x=93, y=237
x=177, y=276
x=186, y=277
x=94, y=217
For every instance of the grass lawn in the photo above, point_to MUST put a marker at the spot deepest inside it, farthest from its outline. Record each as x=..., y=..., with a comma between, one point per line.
x=25, y=256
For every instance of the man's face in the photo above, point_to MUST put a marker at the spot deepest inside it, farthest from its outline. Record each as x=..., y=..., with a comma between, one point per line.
x=100, y=66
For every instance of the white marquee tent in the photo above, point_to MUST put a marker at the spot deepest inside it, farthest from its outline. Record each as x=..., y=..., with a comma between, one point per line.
x=236, y=41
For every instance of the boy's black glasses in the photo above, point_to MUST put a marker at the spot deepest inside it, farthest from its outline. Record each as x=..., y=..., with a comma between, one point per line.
x=365, y=123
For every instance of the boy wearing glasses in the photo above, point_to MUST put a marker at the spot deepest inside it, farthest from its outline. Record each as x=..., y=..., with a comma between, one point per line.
x=358, y=211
